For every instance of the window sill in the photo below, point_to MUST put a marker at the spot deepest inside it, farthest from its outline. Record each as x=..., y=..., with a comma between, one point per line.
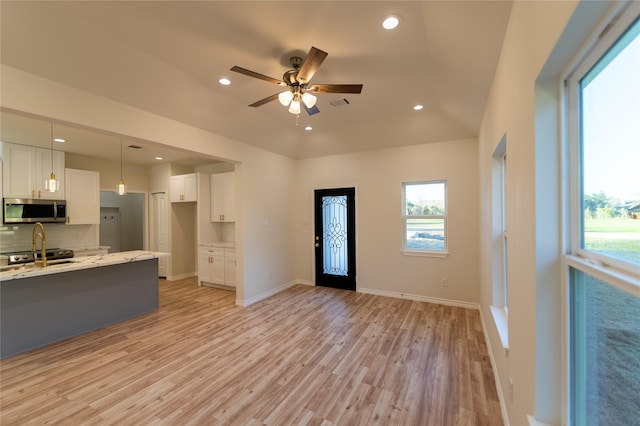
x=500, y=319
x=419, y=253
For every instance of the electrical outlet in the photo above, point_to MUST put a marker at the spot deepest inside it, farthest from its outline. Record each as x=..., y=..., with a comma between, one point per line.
x=444, y=282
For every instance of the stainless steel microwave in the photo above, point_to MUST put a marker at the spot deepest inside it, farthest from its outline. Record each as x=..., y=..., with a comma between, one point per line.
x=28, y=210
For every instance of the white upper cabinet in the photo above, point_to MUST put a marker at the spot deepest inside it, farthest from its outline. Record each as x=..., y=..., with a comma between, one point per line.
x=26, y=168
x=83, y=197
x=223, y=197
x=183, y=188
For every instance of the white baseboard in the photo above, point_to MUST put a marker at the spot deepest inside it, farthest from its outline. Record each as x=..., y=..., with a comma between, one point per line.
x=181, y=276
x=496, y=378
x=419, y=298
x=269, y=293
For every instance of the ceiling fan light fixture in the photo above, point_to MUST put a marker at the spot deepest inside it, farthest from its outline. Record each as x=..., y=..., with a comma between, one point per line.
x=294, y=108
x=285, y=98
x=309, y=100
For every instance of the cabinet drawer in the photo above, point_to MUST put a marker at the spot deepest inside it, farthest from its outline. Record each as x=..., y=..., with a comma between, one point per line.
x=212, y=251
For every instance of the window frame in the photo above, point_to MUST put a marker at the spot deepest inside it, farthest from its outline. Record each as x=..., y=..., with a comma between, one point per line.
x=499, y=235
x=574, y=139
x=614, y=272
x=425, y=252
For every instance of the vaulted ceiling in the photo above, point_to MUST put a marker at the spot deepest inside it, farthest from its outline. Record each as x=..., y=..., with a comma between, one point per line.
x=166, y=57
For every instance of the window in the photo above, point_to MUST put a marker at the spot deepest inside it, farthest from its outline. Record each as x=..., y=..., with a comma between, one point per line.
x=604, y=254
x=425, y=217
x=499, y=218
x=499, y=306
x=609, y=96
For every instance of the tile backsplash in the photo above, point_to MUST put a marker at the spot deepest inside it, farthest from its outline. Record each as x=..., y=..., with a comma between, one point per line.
x=18, y=237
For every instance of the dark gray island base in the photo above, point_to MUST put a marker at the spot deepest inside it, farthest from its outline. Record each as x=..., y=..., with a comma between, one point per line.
x=39, y=310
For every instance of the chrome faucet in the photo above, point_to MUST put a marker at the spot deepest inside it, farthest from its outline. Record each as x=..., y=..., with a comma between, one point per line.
x=38, y=230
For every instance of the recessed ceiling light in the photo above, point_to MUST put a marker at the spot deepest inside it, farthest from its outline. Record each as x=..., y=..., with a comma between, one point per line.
x=224, y=81
x=159, y=158
x=60, y=140
x=308, y=128
x=391, y=22
x=418, y=107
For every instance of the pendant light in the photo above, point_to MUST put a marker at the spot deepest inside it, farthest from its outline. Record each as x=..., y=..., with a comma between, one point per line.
x=52, y=184
x=121, y=189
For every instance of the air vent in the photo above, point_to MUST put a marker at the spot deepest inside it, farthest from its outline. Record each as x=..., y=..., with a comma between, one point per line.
x=339, y=102
x=135, y=146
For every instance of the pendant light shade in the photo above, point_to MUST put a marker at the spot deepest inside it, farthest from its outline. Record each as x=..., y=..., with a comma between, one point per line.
x=121, y=189
x=52, y=184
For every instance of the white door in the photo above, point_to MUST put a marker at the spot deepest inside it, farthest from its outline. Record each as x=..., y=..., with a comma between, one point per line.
x=160, y=230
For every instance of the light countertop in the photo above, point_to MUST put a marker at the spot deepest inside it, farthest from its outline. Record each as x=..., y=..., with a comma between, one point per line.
x=76, y=263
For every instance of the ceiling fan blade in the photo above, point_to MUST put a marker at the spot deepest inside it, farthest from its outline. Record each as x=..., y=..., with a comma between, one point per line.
x=311, y=111
x=335, y=88
x=265, y=100
x=310, y=65
x=257, y=75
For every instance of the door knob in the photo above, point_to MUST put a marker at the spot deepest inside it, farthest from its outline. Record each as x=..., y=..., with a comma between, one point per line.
x=317, y=244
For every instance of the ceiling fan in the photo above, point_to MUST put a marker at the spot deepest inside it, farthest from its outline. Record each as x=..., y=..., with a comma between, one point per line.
x=300, y=92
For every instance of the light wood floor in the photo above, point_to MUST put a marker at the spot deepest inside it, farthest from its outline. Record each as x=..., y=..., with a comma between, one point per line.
x=309, y=355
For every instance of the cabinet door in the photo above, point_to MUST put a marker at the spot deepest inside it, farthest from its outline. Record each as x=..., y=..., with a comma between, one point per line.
x=230, y=267
x=223, y=197
x=204, y=266
x=48, y=161
x=176, y=189
x=83, y=196
x=19, y=173
x=183, y=188
x=190, y=187
x=217, y=266
x=26, y=168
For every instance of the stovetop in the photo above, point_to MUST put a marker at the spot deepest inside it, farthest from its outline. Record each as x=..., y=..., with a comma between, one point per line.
x=27, y=256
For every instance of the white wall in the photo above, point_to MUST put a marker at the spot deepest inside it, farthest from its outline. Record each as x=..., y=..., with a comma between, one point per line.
x=378, y=177
x=524, y=105
x=136, y=177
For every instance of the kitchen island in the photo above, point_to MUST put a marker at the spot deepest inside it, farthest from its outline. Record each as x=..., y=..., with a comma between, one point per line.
x=39, y=306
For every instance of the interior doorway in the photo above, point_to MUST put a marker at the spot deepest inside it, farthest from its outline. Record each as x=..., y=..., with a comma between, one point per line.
x=335, y=243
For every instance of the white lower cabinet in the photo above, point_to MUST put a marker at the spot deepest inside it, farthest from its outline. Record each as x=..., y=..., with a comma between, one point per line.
x=217, y=265
x=230, y=267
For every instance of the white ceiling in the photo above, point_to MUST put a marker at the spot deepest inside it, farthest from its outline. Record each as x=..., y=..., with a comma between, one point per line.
x=166, y=57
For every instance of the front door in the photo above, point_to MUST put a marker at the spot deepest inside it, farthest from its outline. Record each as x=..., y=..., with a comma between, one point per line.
x=335, y=244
